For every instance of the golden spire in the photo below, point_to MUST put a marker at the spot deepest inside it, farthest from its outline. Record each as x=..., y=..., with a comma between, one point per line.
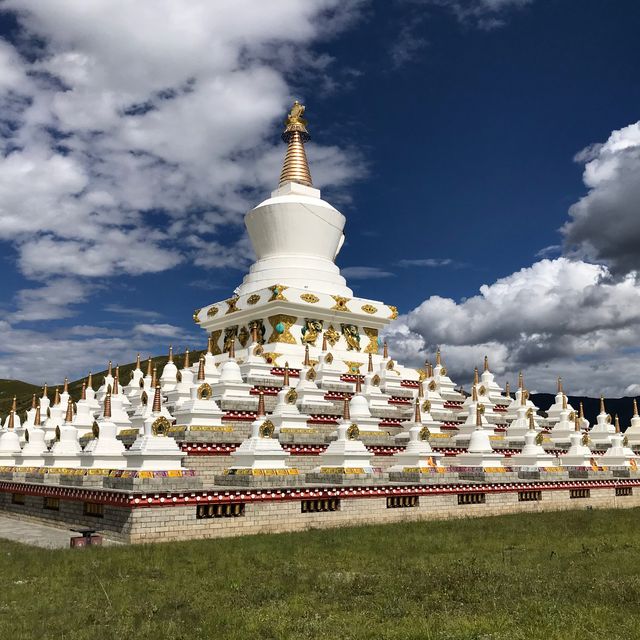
x=68, y=418
x=476, y=380
x=478, y=417
x=285, y=378
x=170, y=353
x=90, y=380
x=564, y=401
x=520, y=381
x=602, y=409
x=307, y=361
x=116, y=380
x=149, y=367
x=346, y=414
x=577, y=422
x=14, y=404
x=11, y=424
x=232, y=349
x=507, y=390
x=617, y=423
x=107, y=406
x=370, y=364
x=154, y=378
x=358, y=385
x=201, y=369
x=254, y=334
x=109, y=371
x=37, y=420
x=385, y=350
x=474, y=394
x=83, y=394
x=559, y=384
x=438, y=357
x=138, y=362
x=581, y=411
x=44, y=391
x=187, y=364
x=532, y=424
x=420, y=390
x=261, y=411
x=157, y=401
x=210, y=342
x=523, y=397
x=635, y=408
x=417, y=417
x=486, y=363
x=66, y=385
x=296, y=166
x=34, y=404
x=56, y=397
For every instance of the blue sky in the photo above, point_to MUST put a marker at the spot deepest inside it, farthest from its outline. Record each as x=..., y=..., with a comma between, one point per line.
x=453, y=134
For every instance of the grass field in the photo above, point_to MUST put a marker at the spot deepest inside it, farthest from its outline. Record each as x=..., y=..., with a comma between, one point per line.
x=554, y=575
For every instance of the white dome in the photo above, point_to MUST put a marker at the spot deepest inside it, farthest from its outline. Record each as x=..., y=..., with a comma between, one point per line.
x=230, y=372
x=359, y=407
x=479, y=442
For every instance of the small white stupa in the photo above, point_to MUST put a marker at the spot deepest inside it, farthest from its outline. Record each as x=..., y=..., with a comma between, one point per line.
x=9, y=442
x=260, y=454
x=565, y=426
x=579, y=453
x=481, y=396
x=211, y=371
x=560, y=404
x=633, y=431
x=55, y=416
x=329, y=372
x=444, y=385
x=255, y=366
x=84, y=418
x=45, y=403
x=132, y=388
x=346, y=455
x=285, y=416
x=92, y=401
x=487, y=380
x=107, y=384
x=619, y=454
x=307, y=390
x=119, y=405
x=603, y=429
x=16, y=418
x=145, y=408
x=66, y=450
x=154, y=450
x=201, y=411
x=532, y=454
x=584, y=423
x=231, y=386
x=480, y=453
x=105, y=451
x=512, y=409
x=31, y=413
x=360, y=412
x=418, y=457
x=169, y=377
x=182, y=392
x=475, y=416
x=518, y=428
x=32, y=454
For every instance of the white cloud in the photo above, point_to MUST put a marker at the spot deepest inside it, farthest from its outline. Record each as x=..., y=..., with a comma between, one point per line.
x=427, y=262
x=137, y=122
x=161, y=330
x=605, y=223
x=557, y=317
x=485, y=14
x=52, y=301
x=365, y=273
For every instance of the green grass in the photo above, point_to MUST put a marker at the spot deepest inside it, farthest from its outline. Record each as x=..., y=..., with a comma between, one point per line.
x=555, y=575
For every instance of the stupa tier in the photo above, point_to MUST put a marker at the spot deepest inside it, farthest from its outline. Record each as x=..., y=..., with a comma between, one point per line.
x=296, y=398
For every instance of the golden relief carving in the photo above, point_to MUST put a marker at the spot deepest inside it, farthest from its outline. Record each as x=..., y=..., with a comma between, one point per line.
x=394, y=312
x=311, y=374
x=482, y=390
x=211, y=311
x=390, y=365
x=204, y=391
x=253, y=299
x=258, y=350
x=309, y=297
x=277, y=292
x=341, y=304
x=160, y=426
x=259, y=325
x=369, y=308
x=215, y=338
x=328, y=358
x=432, y=385
x=422, y=374
x=426, y=406
x=243, y=336
x=332, y=336
x=291, y=397
x=353, y=432
x=196, y=317
x=354, y=367
x=231, y=303
x=95, y=430
x=539, y=438
x=372, y=334
x=230, y=333
x=586, y=440
x=281, y=325
x=312, y=328
x=266, y=429
x=443, y=371
x=270, y=357
x=375, y=381
x=424, y=433
x=351, y=336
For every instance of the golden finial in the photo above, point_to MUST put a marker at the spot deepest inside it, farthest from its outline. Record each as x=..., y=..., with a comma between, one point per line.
x=476, y=379
x=66, y=385
x=474, y=394
x=68, y=418
x=559, y=384
x=358, y=385
x=370, y=364
x=157, y=401
x=232, y=348
x=200, y=377
x=523, y=397
x=285, y=378
x=324, y=342
x=635, y=408
x=520, y=381
x=420, y=390
x=254, y=334
x=602, y=409
x=154, y=378
x=149, y=367
x=438, y=357
x=107, y=406
x=616, y=421
x=507, y=390
x=83, y=393
x=90, y=381
x=346, y=415
x=116, y=380
x=478, y=417
x=170, y=353
x=577, y=422
x=109, y=368
x=532, y=424
x=12, y=418
x=307, y=359
x=210, y=343
x=33, y=401
x=44, y=391
x=296, y=166
x=14, y=404
x=56, y=397
x=385, y=350
x=486, y=363
x=138, y=362
x=187, y=364
x=37, y=420
x=581, y=411
x=417, y=417
x=564, y=401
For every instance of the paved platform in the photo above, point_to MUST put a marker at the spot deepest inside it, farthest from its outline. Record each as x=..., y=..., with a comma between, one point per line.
x=36, y=534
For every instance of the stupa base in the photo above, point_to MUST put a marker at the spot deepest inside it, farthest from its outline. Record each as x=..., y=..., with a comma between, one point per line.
x=257, y=478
